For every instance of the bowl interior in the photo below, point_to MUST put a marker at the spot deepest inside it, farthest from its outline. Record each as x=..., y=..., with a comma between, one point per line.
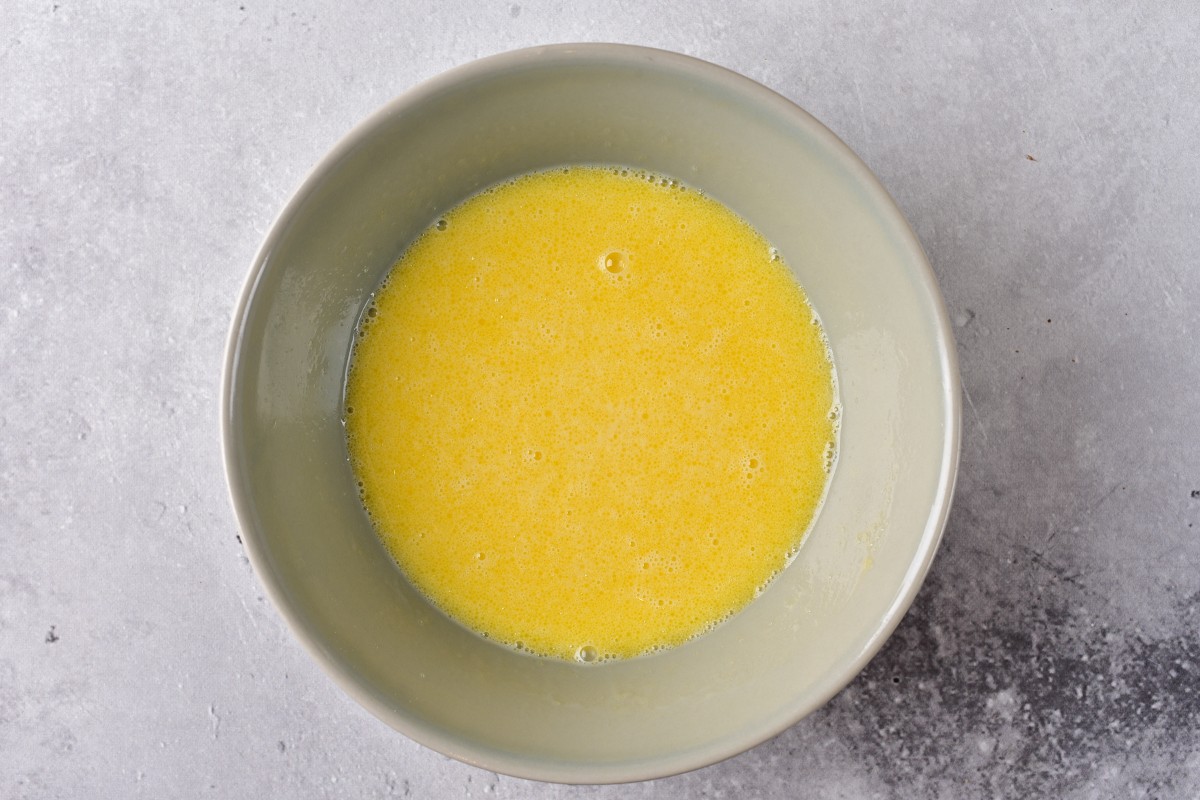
x=788, y=651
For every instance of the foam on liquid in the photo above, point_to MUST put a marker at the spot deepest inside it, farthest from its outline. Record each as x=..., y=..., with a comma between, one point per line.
x=592, y=413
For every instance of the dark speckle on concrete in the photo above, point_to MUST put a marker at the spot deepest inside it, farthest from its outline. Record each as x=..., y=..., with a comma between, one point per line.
x=1195, y=494
x=51, y=635
x=281, y=745
x=1030, y=700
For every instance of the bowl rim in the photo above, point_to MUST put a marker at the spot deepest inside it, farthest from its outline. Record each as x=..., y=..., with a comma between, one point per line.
x=531, y=768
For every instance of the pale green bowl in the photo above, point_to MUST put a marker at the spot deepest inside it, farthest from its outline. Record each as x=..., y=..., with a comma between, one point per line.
x=295, y=496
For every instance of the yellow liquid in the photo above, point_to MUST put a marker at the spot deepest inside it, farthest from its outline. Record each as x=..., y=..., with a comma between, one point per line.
x=592, y=414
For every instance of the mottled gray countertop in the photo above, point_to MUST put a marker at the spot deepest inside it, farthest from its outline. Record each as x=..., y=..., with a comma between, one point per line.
x=1045, y=155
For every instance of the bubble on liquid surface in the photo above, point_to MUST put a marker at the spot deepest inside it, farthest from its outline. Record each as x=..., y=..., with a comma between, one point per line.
x=441, y=225
x=615, y=262
x=586, y=654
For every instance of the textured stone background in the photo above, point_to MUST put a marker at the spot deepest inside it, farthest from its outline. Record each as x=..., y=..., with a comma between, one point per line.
x=1047, y=157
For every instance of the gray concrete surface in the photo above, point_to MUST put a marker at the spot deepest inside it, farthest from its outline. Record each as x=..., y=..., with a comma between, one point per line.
x=1047, y=157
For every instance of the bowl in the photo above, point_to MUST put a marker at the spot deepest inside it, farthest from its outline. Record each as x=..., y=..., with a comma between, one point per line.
x=295, y=496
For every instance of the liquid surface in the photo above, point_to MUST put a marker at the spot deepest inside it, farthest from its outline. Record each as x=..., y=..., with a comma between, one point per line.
x=591, y=413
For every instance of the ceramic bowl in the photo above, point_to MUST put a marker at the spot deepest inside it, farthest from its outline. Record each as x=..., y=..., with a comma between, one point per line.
x=295, y=496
